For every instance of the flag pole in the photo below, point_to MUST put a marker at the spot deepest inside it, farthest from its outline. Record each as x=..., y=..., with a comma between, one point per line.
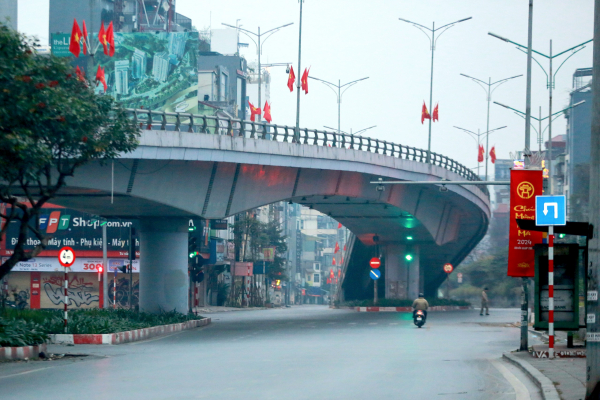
x=297, y=130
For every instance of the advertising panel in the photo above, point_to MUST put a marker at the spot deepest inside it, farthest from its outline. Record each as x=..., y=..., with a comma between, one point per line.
x=243, y=268
x=156, y=71
x=74, y=229
x=566, y=286
x=524, y=186
x=51, y=264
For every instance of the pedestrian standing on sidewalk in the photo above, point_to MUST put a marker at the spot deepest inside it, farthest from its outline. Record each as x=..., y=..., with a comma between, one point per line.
x=484, y=302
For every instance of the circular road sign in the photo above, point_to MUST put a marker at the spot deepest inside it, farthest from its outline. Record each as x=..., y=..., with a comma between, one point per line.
x=375, y=262
x=448, y=268
x=375, y=274
x=66, y=256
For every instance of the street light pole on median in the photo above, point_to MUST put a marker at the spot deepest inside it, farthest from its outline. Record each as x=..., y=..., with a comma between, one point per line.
x=488, y=91
x=259, y=51
x=477, y=137
x=550, y=84
x=339, y=93
x=432, y=41
x=297, y=130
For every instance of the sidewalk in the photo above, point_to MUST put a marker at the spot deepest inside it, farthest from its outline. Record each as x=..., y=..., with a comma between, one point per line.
x=567, y=375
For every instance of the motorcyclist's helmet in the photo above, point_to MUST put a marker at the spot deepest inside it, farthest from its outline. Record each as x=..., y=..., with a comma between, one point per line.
x=421, y=295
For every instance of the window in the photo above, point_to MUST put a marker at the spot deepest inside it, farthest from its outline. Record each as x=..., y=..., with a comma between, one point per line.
x=316, y=278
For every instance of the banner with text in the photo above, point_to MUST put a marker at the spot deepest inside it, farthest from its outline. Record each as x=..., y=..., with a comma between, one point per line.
x=525, y=184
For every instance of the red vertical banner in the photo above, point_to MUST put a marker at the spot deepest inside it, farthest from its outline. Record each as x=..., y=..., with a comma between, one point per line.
x=525, y=184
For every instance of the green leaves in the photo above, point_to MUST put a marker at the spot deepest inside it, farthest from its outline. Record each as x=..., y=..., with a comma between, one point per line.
x=49, y=118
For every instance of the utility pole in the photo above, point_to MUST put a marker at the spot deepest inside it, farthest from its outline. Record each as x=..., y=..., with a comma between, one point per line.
x=593, y=334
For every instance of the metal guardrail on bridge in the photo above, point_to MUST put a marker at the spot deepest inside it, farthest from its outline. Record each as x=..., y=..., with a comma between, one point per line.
x=160, y=120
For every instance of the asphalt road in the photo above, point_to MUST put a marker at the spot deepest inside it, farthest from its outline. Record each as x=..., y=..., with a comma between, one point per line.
x=307, y=352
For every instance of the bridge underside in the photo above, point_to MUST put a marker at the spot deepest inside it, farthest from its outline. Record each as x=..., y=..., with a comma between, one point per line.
x=213, y=179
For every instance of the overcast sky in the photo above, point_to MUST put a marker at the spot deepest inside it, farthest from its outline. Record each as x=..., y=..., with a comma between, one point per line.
x=351, y=39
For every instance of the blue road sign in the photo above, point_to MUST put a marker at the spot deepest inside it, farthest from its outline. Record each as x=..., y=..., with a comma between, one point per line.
x=550, y=210
x=375, y=274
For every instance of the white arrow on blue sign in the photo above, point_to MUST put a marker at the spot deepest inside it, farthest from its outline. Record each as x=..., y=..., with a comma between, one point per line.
x=375, y=274
x=550, y=210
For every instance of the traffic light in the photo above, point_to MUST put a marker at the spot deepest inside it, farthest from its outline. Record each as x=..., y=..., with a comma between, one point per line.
x=192, y=247
x=561, y=235
x=409, y=257
x=122, y=268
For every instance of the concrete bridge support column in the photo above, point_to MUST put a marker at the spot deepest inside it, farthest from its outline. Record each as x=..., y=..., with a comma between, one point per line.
x=402, y=277
x=164, y=264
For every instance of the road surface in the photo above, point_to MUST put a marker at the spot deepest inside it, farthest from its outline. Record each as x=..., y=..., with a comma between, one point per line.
x=305, y=352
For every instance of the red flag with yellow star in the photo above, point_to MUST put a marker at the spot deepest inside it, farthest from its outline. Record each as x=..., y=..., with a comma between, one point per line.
x=304, y=80
x=75, y=39
x=110, y=38
x=253, y=111
x=424, y=113
x=493, y=154
x=102, y=38
x=101, y=78
x=267, y=112
x=480, y=154
x=85, y=34
x=436, y=113
x=291, y=79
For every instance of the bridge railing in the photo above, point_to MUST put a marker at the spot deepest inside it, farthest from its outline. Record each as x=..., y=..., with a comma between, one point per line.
x=160, y=120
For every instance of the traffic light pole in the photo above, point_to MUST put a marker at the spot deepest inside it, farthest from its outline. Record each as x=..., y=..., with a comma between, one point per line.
x=131, y=258
x=105, y=299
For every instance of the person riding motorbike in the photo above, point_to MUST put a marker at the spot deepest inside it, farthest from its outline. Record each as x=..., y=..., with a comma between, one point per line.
x=420, y=304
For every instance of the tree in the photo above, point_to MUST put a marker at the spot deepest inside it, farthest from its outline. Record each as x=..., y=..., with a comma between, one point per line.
x=51, y=123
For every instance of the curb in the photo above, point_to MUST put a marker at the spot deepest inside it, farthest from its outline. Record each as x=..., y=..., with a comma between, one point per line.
x=128, y=336
x=546, y=386
x=21, y=353
x=410, y=309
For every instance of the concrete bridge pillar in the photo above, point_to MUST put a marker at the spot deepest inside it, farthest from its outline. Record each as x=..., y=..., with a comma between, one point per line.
x=164, y=264
x=403, y=278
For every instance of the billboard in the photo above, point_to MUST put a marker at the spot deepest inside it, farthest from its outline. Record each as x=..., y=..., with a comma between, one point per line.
x=156, y=71
x=72, y=228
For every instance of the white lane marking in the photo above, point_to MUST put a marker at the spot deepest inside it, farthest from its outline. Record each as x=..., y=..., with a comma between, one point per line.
x=372, y=323
x=29, y=372
x=393, y=323
x=351, y=323
x=521, y=392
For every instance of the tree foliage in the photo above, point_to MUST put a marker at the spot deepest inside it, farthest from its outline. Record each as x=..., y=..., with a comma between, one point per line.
x=252, y=235
x=51, y=123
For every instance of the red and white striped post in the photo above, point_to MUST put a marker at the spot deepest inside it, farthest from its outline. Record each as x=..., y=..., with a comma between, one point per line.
x=66, y=300
x=550, y=291
x=115, y=293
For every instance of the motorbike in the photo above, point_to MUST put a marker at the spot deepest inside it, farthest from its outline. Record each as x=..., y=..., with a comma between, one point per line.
x=419, y=318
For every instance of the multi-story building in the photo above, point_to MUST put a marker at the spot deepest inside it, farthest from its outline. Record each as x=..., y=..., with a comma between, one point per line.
x=579, y=128
x=177, y=43
x=160, y=66
x=222, y=83
x=9, y=13
x=139, y=63
x=122, y=77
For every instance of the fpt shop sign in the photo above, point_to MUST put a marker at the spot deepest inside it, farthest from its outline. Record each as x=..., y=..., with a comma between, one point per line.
x=74, y=229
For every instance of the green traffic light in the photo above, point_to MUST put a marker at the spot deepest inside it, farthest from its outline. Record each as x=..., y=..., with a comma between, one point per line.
x=408, y=257
x=409, y=238
x=191, y=228
x=561, y=235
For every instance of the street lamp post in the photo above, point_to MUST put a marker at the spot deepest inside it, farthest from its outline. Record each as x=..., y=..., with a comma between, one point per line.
x=432, y=41
x=339, y=93
x=550, y=84
x=357, y=133
x=477, y=137
x=488, y=91
x=259, y=45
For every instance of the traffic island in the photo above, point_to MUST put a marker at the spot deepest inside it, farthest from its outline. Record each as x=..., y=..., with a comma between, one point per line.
x=21, y=352
x=127, y=336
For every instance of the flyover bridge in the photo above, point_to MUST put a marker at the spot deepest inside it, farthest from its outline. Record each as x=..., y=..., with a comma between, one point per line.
x=192, y=165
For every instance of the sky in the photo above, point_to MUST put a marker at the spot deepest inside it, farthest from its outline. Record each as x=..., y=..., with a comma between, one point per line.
x=352, y=39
